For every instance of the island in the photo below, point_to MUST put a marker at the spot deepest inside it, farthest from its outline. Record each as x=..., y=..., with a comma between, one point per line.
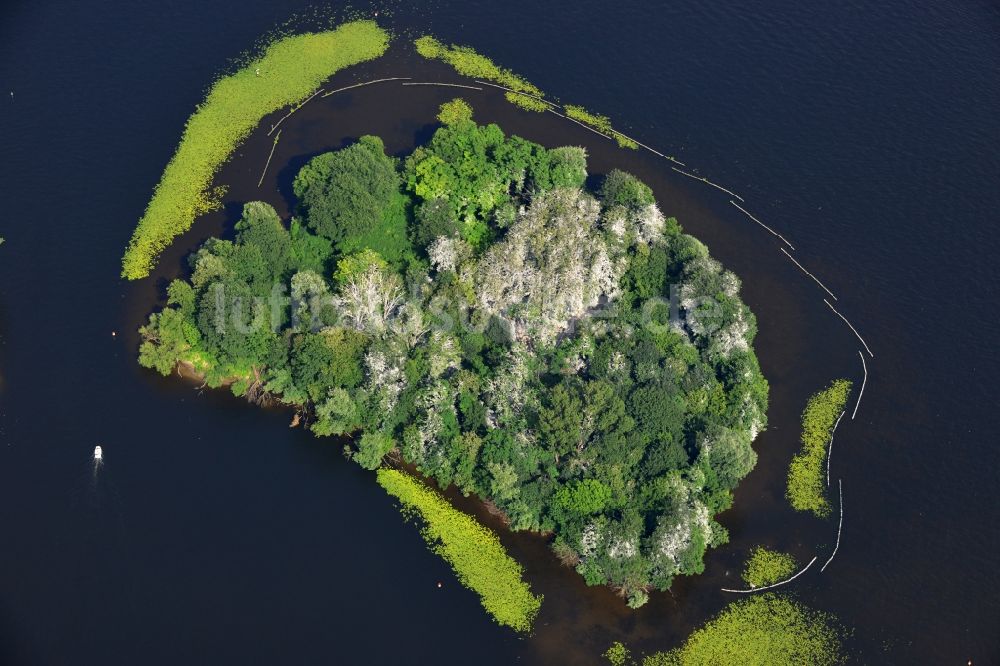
x=476, y=313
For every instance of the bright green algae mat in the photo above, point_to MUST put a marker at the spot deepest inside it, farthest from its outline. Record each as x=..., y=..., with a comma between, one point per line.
x=288, y=72
x=473, y=551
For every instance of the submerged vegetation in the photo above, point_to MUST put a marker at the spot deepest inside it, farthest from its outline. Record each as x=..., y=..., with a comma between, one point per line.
x=806, y=489
x=287, y=72
x=766, y=567
x=571, y=357
x=765, y=630
x=473, y=551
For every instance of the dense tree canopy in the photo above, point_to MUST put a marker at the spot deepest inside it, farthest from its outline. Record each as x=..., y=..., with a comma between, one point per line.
x=806, y=489
x=353, y=197
x=573, y=358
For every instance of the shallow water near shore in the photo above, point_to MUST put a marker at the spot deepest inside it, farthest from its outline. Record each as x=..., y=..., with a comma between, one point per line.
x=213, y=533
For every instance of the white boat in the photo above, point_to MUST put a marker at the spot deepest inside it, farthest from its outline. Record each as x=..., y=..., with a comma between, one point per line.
x=98, y=453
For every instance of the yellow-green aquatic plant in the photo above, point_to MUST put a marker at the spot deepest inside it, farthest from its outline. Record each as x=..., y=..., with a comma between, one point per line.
x=806, y=489
x=467, y=62
x=288, y=72
x=764, y=630
x=618, y=654
x=472, y=550
x=766, y=567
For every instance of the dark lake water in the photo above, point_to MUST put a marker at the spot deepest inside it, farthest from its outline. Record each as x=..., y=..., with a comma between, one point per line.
x=867, y=132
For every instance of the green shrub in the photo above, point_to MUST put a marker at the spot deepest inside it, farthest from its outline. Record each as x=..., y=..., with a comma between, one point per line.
x=290, y=70
x=434, y=218
x=766, y=567
x=806, y=487
x=473, y=169
x=621, y=188
x=567, y=168
x=356, y=263
x=473, y=551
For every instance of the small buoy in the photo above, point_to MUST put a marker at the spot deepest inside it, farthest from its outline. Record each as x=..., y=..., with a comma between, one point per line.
x=98, y=453
x=440, y=584
x=114, y=333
